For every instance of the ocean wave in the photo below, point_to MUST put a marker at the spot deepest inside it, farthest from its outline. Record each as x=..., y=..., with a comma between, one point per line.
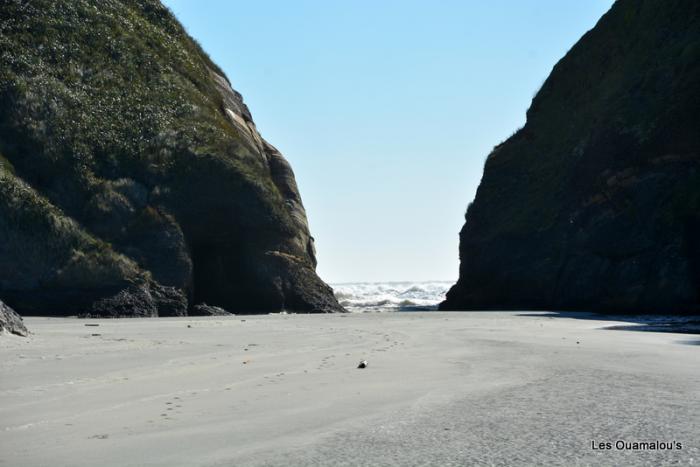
x=391, y=296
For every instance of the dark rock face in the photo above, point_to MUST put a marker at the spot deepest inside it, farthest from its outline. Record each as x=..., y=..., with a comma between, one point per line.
x=144, y=300
x=11, y=321
x=133, y=181
x=203, y=309
x=595, y=203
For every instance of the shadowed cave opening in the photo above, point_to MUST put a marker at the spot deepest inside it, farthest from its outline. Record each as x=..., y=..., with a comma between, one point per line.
x=208, y=273
x=237, y=279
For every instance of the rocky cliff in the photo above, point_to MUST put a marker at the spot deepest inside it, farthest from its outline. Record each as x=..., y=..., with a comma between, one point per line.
x=595, y=203
x=133, y=181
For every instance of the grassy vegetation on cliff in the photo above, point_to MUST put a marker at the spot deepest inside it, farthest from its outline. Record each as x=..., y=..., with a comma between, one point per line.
x=93, y=89
x=108, y=81
x=34, y=233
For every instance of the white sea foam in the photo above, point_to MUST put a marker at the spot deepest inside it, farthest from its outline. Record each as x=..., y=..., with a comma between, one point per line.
x=391, y=296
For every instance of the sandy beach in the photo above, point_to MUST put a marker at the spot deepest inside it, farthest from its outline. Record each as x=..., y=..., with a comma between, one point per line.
x=440, y=389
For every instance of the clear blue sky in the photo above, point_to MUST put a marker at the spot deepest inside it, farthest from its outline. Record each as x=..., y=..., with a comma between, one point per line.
x=387, y=109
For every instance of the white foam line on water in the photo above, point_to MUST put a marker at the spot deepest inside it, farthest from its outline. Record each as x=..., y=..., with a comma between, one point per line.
x=391, y=296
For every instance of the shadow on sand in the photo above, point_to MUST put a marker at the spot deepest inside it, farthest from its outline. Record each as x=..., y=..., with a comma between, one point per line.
x=649, y=323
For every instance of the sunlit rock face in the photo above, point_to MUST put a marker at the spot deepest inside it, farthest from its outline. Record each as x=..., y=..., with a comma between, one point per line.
x=11, y=322
x=133, y=181
x=595, y=203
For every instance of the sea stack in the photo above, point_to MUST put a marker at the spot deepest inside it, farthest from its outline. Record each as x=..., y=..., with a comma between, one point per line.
x=595, y=203
x=133, y=181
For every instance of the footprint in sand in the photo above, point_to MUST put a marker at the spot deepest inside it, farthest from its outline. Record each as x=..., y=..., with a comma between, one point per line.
x=325, y=361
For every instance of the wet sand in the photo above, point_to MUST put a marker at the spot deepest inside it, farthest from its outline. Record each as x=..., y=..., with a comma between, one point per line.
x=440, y=389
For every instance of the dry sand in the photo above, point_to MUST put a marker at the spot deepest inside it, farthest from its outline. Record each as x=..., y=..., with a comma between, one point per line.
x=441, y=389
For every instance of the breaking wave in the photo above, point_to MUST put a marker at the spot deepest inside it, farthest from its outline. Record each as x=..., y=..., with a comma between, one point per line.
x=391, y=296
